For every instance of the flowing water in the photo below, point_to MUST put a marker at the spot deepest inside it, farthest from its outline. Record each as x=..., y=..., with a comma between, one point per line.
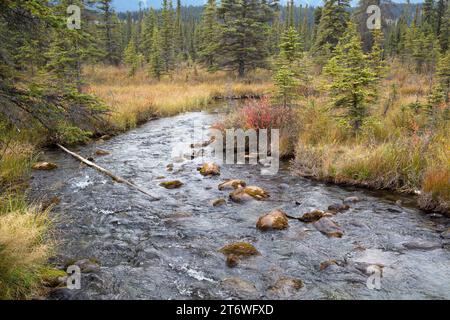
x=168, y=249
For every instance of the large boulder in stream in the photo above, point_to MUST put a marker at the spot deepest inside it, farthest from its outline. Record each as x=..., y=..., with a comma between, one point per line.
x=44, y=166
x=240, y=249
x=329, y=228
x=175, y=184
x=276, y=220
x=209, y=169
x=232, y=184
x=248, y=193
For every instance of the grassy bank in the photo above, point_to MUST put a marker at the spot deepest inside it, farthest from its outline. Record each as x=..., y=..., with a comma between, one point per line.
x=24, y=243
x=400, y=146
x=133, y=100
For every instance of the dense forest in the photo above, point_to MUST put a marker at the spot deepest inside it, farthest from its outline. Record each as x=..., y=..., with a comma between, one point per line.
x=366, y=106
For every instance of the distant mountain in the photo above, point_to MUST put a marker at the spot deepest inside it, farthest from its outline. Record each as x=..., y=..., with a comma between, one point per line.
x=133, y=5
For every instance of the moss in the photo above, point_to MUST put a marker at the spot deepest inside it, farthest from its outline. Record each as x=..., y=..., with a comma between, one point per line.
x=209, y=169
x=275, y=220
x=243, y=249
x=171, y=184
x=50, y=277
x=312, y=216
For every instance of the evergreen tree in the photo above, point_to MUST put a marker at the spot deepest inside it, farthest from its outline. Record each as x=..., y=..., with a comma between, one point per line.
x=178, y=34
x=167, y=33
x=286, y=84
x=132, y=57
x=157, y=67
x=352, y=78
x=147, y=33
x=291, y=47
x=376, y=55
x=333, y=21
x=208, y=36
x=244, y=34
x=444, y=29
x=109, y=32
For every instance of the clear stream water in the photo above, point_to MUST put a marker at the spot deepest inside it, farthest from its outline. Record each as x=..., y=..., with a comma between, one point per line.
x=168, y=249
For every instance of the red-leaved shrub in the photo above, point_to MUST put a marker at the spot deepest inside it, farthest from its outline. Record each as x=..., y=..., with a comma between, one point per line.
x=261, y=114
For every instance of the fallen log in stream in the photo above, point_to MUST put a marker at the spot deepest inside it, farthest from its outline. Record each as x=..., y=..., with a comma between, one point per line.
x=108, y=173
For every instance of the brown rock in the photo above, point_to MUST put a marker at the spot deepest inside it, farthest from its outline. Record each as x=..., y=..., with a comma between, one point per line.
x=276, y=220
x=240, y=249
x=175, y=184
x=44, y=166
x=329, y=228
x=338, y=207
x=324, y=265
x=286, y=286
x=100, y=152
x=349, y=200
x=238, y=285
x=209, y=169
x=219, y=202
x=232, y=260
x=232, y=184
x=248, y=193
x=312, y=216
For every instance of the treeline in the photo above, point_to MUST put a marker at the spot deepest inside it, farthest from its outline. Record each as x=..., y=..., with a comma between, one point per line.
x=41, y=59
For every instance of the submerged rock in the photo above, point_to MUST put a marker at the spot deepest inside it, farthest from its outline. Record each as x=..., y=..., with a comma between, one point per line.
x=326, y=264
x=350, y=200
x=312, y=216
x=45, y=166
x=209, y=169
x=446, y=234
x=238, y=285
x=232, y=184
x=338, y=207
x=175, y=184
x=240, y=249
x=203, y=144
x=276, y=220
x=232, y=260
x=219, y=202
x=249, y=193
x=422, y=245
x=100, y=152
x=87, y=266
x=169, y=167
x=329, y=228
x=286, y=286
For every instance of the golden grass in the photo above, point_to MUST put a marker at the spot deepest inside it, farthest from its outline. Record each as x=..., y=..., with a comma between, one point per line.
x=135, y=99
x=393, y=151
x=23, y=251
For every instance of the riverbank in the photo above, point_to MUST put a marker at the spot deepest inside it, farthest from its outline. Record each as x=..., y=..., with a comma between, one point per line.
x=399, y=146
x=24, y=267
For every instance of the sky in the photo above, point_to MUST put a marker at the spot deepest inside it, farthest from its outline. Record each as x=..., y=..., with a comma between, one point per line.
x=124, y=5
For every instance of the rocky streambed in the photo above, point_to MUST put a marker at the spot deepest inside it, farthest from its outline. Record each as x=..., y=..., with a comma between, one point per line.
x=179, y=246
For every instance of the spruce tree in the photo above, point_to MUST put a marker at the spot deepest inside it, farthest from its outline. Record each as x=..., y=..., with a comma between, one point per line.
x=109, y=32
x=166, y=33
x=352, y=79
x=208, y=36
x=333, y=21
x=244, y=34
x=147, y=33
x=156, y=68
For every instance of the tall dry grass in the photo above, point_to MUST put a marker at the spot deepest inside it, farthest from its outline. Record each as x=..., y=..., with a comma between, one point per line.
x=135, y=99
x=24, y=251
x=397, y=148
